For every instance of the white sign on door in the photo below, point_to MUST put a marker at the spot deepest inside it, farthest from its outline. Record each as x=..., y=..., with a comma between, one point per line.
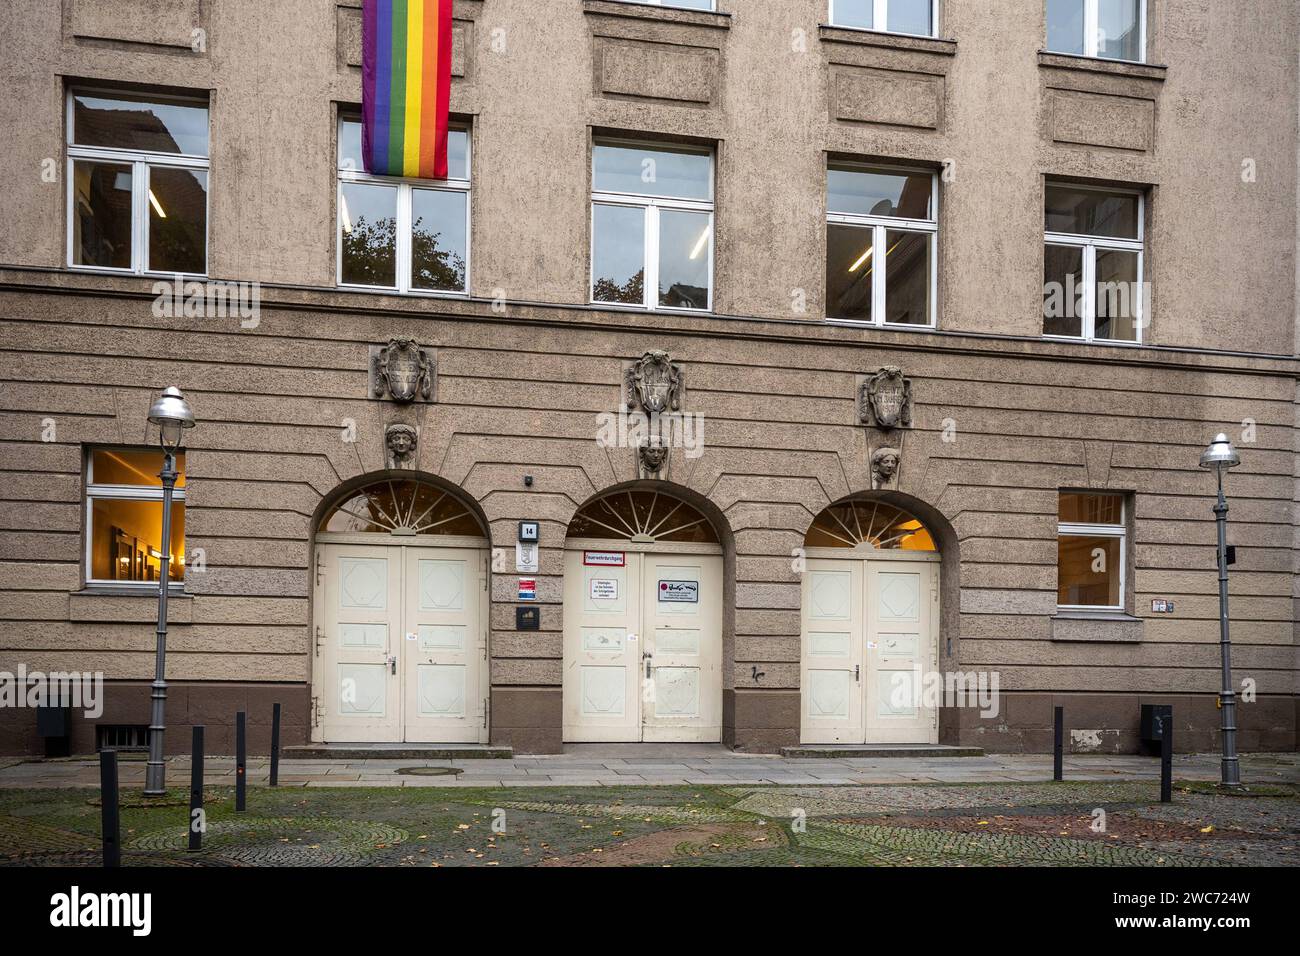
x=679, y=592
x=607, y=559
x=604, y=589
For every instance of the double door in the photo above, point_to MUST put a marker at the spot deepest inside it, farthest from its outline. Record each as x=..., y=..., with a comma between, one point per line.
x=869, y=651
x=401, y=644
x=642, y=646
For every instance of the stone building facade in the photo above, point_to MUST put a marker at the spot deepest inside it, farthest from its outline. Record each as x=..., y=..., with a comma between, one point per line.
x=995, y=430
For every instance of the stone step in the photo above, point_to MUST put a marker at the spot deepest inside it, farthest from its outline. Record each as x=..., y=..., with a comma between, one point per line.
x=389, y=751
x=834, y=751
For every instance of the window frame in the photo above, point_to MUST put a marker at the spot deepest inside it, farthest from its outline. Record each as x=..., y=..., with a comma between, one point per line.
x=110, y=492
x=713, y=5
x=139, y=161
x=652, y=205
x=1086, y=529
x=1090, y=36
x=880, y=225
x=405, y=186
x=880, y=14
x=1089, y=246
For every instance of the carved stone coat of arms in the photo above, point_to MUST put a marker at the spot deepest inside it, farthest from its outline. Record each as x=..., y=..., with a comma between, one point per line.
x=654, y=383
x=403, y=371
x=886, y=399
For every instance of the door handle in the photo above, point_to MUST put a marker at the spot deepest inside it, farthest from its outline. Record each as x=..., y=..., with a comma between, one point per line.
x=857, y=673
x=392, y=663
x=647, y=657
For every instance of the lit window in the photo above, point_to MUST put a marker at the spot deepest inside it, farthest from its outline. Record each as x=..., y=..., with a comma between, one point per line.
x=1091, y=550
x=1110, y=29
x=1093, y=287
x=652, y=226
x=880, y=234
x=405, y=235
x=137, y=183
x=915, y=17
x=124, y=517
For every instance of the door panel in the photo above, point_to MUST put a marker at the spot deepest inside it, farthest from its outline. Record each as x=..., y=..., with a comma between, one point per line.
x=360, y=616
x=902, y=605
x=832, y=652
x=443, y=659
x=682, y=618
x=602, y=651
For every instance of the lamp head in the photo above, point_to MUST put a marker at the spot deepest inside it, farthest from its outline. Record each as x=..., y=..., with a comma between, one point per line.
x=1220, y=454
x=171, y=413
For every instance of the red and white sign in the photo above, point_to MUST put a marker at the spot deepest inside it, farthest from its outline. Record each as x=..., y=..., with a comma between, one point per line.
x=604, y=559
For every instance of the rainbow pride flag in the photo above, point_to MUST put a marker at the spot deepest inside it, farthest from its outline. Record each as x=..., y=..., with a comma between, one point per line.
x=406, y=82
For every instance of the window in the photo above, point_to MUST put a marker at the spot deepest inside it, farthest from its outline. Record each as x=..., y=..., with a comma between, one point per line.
x=404, y=235
x=124, y=517
x=876, y=214
x=1091, y=548
x=1110, y=29
x=137, y=183
x=1092, y=264
x=917, y=17
x=652, y=226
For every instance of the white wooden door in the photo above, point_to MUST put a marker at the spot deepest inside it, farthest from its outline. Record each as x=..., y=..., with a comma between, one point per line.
x=359, y=624
x=602, y=650
x=831, y=687
x=682, y=638
x=443, y=658
x=902, y=618
x=869, y=637
x=643, y=648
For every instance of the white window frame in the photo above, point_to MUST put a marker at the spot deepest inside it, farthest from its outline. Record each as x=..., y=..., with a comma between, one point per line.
x=880, y=17
x=713, y=5
x=405, y=185
x=96, y=492
x=1120, y=531
x=652, y=206
x=139, y=161
x=880, y=225
x=1092, y=35
x=1090, y=245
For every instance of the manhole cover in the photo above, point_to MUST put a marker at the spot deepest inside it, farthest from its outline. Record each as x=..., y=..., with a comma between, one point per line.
x=429, y=771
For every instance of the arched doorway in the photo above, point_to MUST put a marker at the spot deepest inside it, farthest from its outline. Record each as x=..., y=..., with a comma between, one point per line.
x=643, y=579
x=400, y=612
x=870, y=625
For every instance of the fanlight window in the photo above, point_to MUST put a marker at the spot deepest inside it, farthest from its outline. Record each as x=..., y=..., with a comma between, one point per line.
x=849, y=524
x=643, y=516
x=402, y=507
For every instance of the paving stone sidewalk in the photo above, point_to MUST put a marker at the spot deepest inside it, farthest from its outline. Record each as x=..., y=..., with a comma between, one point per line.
x=648, y=765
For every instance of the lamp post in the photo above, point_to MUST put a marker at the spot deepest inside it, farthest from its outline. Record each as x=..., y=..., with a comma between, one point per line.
x=1220, y=455
x=171, y=413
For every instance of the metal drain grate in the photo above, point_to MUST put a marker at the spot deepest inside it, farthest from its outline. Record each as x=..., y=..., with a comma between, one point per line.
x=429, y=771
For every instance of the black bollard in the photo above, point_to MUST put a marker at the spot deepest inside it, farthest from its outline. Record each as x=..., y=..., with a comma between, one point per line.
x=241, y=761
x=275, y=745
x=1167, y=757
x=1058, y=744
x=196, y=790
x=110, y=821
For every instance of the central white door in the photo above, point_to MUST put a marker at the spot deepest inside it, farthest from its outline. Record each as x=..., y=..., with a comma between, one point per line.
x=642, y=646
x=869, y=640
x=401, y=644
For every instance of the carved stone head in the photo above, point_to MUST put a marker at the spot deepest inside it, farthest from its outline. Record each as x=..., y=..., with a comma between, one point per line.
x=401, y=441
x=653, y=454
x=884, y=466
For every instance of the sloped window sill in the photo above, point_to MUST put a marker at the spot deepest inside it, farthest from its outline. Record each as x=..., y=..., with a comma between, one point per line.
x=1097, y=627
x=1093, y=64
x=654, y=11
x=891, y=41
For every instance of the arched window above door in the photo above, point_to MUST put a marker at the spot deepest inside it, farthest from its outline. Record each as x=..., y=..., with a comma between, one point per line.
x=642, y=516
x=401, y=506
x=867, y=522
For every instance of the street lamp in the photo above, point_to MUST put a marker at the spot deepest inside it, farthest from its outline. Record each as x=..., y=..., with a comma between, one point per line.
x=171, y=413
x=1220, y=455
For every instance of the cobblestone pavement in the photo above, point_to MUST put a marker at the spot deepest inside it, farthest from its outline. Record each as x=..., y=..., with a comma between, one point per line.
x=1092, y=823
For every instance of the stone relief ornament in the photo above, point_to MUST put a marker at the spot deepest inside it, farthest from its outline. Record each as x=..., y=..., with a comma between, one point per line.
x=884, y=467
x=653, y=454
x=401, y=441
x=401, y=370
x=654, y=383
x=886, y=399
